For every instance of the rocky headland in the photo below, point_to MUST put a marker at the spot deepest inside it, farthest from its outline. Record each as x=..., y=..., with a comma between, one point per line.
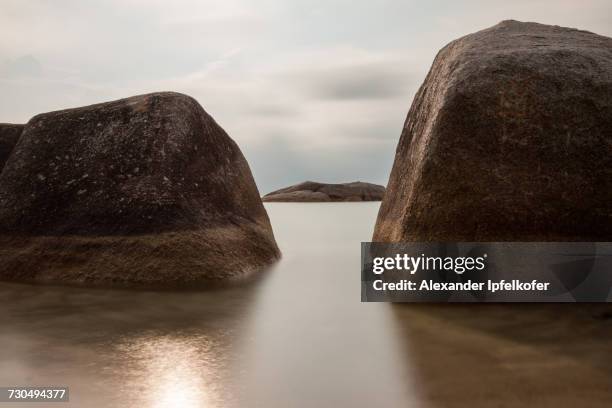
x=311, y=191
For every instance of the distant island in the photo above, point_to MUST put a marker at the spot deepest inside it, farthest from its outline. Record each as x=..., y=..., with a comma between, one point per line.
x=311, y=191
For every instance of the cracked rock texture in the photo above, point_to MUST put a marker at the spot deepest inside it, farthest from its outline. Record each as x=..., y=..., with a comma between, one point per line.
x=9, y=135
x=508, y=138
x=144, y=191
x=310, y=191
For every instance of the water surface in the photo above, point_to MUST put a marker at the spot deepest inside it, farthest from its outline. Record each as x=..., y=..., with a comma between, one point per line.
x=299, y=337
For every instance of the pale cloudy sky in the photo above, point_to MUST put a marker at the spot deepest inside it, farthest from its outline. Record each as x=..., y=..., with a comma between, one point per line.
x=310, y=89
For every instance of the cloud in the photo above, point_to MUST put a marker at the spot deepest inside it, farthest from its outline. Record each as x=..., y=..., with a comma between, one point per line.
x=310, y=89
x=24, y=66
x=354, y=81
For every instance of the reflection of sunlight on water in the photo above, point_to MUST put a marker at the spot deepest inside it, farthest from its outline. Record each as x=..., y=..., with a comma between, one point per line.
x=172, y=372
x=299, y=338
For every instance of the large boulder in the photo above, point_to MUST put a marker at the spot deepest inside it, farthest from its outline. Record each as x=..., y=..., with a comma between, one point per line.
x=508, y=138
x=146, y=191
x=310, y=191
x=9, y=135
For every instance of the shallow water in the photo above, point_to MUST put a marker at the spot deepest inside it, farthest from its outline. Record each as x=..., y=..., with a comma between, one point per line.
x=299, y=337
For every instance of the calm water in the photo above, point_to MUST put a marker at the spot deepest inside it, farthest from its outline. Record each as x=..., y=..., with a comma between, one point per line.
x=299, y=337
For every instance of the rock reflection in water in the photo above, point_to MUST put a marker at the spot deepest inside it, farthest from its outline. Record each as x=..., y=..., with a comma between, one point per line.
x=121, y=348
x=508, y=355
x=297, y=337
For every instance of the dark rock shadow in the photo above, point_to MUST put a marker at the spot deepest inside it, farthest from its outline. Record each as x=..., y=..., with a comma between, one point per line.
x=484, y=355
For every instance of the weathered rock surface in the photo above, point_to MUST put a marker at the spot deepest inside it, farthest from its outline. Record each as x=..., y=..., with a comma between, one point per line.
x=9, y=135
x=508, y=138
x=144, y=191
x=310, y=191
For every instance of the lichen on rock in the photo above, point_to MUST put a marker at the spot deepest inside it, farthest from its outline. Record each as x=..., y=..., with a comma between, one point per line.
x=143, y=191
x=509, y=138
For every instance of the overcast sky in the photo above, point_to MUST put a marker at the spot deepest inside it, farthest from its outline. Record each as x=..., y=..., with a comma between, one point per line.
x=310, y=89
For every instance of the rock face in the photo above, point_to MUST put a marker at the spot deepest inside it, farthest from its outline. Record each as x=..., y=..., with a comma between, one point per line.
x=311, y=191
x=508, y=138
x=144, y=191
x=9, y=135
